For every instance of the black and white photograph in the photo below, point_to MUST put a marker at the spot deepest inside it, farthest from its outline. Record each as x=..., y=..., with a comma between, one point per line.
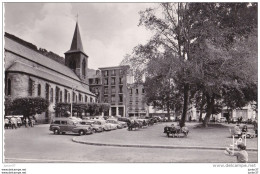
x=160, y=84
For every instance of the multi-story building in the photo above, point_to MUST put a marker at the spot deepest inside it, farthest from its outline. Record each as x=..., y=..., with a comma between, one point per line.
x=114, y=89
x=95, y=83
x=28, y=72
x=136, y=104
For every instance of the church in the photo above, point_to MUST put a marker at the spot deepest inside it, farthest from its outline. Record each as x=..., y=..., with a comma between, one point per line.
x=28, y=72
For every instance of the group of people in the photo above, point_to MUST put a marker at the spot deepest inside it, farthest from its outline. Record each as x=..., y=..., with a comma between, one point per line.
x=17, y=122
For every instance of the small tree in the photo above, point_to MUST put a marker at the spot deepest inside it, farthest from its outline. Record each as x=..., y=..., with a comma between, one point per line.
x=28, y=106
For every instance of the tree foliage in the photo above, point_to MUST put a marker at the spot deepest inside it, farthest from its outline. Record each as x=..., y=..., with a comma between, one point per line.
x=28, y=106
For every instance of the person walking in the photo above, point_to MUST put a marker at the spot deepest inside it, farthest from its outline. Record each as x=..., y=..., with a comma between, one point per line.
x=26, y=122
x=19, y=122
x=13, y=122
x=241, y=154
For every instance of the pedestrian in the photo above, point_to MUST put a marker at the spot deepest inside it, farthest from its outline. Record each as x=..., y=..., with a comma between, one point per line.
x=32, y=122
x=7, y=124
x=237, y=130
x=26, y=122
x=241, y=154
x=13, y=122
x=19, y=122
x=244, y=129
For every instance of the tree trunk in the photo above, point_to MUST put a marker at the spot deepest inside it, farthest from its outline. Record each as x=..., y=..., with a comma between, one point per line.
x=210, y=104
x=185, y=105
x=201, y=106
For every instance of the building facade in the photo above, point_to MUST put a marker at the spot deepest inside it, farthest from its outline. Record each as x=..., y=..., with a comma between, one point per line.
x=114, y=89
x=136, y=104
x=30, y=73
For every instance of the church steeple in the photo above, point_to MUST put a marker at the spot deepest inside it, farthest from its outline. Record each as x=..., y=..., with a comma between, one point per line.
x=76, y=59
x=76, y=44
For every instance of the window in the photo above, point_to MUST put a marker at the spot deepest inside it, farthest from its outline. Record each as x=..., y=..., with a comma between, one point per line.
x=73, y=97
x=72, y=64
x=91, y=100
x=86, y=98
x=113, y=81
x=47, y=91
x=105, y=100
x=63, y=122
x=106, y=81
x=90, y=81
x=106, y=90
x=60, y=96
x=113, y=99
x=113, y=90
x=131, y=91
x=120, y=98
x=65, y=95
x=113, y=72
x=97, y=81
x=136, y=91
x=56, y=122
x=9, y=87
x=80, y=97
x=31, y=87
x=105, y=73
x=120, y=89
x=51, y=95
x=143, y=90
x=69, y=97
x=39, y=89
x=84, y=68
x=120, y=80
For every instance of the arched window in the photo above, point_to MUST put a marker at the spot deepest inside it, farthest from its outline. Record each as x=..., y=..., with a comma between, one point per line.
x=60, y=96
x=9, y=87
x=51, y=94
x=83, y=68
x=39, y=89
x=69, y=97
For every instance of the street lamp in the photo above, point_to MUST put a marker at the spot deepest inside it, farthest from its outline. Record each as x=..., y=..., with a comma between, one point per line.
x=72, y=97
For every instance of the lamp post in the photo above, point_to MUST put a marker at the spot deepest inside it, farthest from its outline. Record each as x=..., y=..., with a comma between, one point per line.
x=72, y=98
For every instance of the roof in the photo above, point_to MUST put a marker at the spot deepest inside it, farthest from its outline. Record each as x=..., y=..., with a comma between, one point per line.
x=47, y=74
x=76, y=44
x=114, y=67
x=34, y=56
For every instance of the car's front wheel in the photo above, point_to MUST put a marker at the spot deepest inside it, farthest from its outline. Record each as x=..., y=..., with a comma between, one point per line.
x=81, y=132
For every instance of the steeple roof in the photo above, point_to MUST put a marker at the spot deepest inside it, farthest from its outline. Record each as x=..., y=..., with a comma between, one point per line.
x=76, y=44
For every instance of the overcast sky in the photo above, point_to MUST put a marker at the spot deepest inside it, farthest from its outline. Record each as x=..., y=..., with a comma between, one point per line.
x=108, y=31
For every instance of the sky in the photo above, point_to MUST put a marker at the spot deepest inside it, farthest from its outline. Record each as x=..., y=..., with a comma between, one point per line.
x=108, y=31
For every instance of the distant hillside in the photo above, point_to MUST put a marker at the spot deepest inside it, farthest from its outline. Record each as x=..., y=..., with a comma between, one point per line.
x=42, y=51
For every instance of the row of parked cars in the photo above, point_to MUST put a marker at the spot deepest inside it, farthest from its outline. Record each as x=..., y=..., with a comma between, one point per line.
x=84, y=127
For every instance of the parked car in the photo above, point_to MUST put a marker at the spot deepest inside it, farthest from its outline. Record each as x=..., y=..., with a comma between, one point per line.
x=106, y=126
x=68, y=125
x=123, y=119
x=95, y=127
x=120, y=124
x=222, y=120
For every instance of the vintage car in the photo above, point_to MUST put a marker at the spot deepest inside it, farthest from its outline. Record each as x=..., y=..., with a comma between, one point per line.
x=106, y=126
x=119, y=124
x=68, y=125
x=95, y=127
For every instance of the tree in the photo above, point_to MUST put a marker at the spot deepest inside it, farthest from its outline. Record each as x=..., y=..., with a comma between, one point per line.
x=28, y=106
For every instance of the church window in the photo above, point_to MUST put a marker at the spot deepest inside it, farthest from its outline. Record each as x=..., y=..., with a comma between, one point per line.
x=60, y=96
x=39, y=89
x=9, y=87
x=31, y=87
x=65, y=95
x=51, y=94
x=84, y=67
